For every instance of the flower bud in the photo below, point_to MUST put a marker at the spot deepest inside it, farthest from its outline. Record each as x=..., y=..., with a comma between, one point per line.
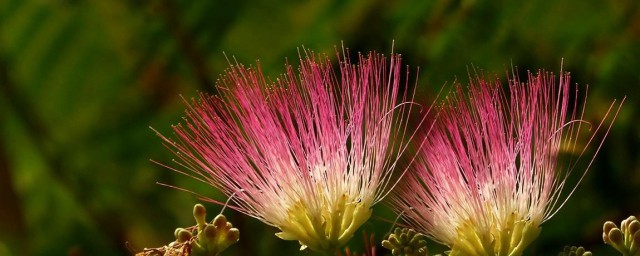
x=574, y=251
x=626, y=222
x=625, y=239
x=406, y=242
x=213, y=237
x=634, y=226
x=200, y=214
x=219, y=221
x=209, y=232
x=608, y=226
x=616, y=236
x=233, y=235
x=182, y=235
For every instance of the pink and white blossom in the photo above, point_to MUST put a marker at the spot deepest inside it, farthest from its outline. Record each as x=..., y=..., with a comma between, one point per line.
x=309, y=152
x=496, y=163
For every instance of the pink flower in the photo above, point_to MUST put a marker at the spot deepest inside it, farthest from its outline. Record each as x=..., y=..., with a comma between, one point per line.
x=309, y=152
x=495, y=165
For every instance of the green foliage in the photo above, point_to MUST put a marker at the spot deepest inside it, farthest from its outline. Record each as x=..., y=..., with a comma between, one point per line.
x=81, y=81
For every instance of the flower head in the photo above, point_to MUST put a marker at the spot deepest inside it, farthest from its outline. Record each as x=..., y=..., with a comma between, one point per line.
x=309, y=153
x=495, y=165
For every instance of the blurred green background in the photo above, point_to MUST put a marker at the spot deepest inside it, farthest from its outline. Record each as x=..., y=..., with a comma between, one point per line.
x=82, y=80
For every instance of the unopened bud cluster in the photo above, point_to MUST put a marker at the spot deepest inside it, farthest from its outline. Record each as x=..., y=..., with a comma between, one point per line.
x=625, y=239
x=213, y=237
x=574, y=251
x=206, y=239
x=406, y=242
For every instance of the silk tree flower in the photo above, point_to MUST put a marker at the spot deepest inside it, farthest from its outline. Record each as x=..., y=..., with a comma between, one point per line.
x=309, y=153
x=496, y=164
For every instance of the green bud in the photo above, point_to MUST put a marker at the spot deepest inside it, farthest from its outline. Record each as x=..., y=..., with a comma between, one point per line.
x=403, y=237
x=394, y=241
x=634, y=226
x=210, y=232
x=233, y=235
x=625, y=239
x=200, y=214
x=219, y=221
x=387, y=245
x=182, y=235
x=213, y=237
x=608, y=226
x=210, y=239
x=626, y=222
x=177, y=231
x=406, y=242
x=574, y=251
x=616, y=236
x=605, y=238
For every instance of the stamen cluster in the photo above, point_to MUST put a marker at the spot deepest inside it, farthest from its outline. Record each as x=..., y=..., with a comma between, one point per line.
x=495, y=165
x=309, y=153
